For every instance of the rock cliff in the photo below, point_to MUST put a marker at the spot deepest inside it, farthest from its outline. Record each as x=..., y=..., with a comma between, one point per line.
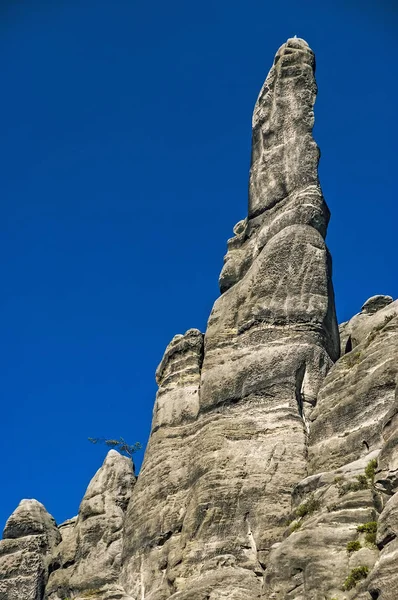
x=272, y=466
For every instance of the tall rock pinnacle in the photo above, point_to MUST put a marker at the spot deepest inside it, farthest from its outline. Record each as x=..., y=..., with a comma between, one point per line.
x=231, y=419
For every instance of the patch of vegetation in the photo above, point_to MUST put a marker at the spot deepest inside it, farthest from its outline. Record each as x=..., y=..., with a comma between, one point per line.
x=353, y=358
x=121, y=445
x=370, y=539
x=356, y=575
x=295, y=526
x=353, y=546
x=369, y=527
x=373, y=334
x=308, y=507
x=361, y=483
x=371, y=469
x=338, y=479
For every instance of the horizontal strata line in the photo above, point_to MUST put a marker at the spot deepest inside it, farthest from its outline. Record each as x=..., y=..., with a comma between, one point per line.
x=314, y=186
x=200, y=422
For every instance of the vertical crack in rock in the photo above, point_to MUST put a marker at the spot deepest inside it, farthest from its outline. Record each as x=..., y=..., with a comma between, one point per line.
x=207, y=506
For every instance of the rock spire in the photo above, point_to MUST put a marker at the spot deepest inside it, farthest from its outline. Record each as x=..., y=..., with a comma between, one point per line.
x=230, y=428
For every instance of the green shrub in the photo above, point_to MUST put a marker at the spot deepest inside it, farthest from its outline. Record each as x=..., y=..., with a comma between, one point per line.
x=361, y=483
x=369, y=527
x=370, y=470
x=307, y=507
x=295, y=526
x=370, y=538
x=353, y=546
x=356, y=575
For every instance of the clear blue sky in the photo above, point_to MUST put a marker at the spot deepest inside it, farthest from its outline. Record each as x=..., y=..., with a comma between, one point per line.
x=124, y=158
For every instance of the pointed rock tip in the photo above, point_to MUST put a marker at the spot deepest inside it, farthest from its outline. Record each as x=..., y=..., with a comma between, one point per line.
x=298, y=40
x=29, y=518
x=376, y=303
x=113, y=454
x=294, y=43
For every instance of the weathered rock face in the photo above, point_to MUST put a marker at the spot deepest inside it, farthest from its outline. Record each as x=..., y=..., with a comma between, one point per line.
x=88, y=559
x=229, y=435
x=29, y=537
x=272, y=466
x=354, y=423
x=153, y=539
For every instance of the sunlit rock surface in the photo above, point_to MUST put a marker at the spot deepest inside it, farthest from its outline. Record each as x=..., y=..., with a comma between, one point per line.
x=88, y=559
x=229, y=438
x=30, y=535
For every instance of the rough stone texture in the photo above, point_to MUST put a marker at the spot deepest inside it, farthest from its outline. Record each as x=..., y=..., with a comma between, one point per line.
x=153, y=546
x=382, y=582
x=353, y=420
x=229, y=435
x=88, y=560
x=29, y=536
x=357, y=393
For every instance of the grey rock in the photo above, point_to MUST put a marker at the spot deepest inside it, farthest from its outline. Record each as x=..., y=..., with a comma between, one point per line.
x=88, y=560
x=357, y=394
x=29, y=537
x=387, y=474
x=376, y=303
x=153, y=543
x=312, y=561
x=230, y=424
x=353, y=423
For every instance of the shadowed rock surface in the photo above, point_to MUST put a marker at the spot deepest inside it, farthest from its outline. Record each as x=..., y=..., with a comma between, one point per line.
x=272, y=466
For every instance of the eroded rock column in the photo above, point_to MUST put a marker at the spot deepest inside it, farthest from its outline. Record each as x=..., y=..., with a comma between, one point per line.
x=216, y=483
x=87, y=562
x=30, y=535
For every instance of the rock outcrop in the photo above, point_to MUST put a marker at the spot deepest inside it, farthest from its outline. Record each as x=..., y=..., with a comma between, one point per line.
x=88, y=559
x=30, y=535
x=223, y=463
x=272, y=466
x=351, y=461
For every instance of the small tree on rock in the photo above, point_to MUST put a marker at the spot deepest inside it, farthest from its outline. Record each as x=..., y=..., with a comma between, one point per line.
x=121, y=445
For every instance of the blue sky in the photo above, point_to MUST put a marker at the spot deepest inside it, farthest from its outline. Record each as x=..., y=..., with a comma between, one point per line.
x=124, y=157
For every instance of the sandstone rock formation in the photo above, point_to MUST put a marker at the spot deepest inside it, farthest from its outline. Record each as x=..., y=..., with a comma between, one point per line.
x=88, y=559
x=272, y=467
x=29, y=536
x=354, y=411
x=239, y=427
